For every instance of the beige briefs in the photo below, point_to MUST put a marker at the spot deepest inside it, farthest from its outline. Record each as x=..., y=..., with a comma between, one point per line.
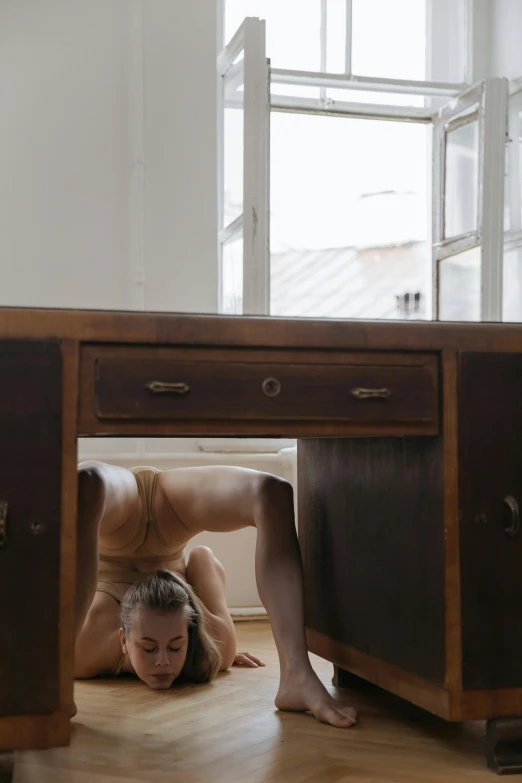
x=118, y=569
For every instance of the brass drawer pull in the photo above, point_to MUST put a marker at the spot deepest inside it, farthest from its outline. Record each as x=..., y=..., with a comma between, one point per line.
x=514, y=528
x=158, y=387
x=3, y=523
x=370, y=394
x=271, y=387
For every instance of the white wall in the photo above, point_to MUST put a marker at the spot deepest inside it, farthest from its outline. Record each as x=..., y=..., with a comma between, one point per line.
x=71, y=224
x=497, y=26
x=63, y=154
x=506, y=48
x=482, y=39
x=180, y=155
x=108, y=184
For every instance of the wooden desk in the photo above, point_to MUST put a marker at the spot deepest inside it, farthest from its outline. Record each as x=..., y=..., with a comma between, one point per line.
x=409, y=471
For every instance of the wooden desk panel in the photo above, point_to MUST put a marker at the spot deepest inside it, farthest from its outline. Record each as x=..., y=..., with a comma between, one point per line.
x=30, y=489
x=373, y=553
x=125, y=389
x=404, y=628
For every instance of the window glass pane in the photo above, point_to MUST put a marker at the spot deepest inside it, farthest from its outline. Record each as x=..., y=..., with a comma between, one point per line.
x=232, y=277
x=292, y=29
x=233, y=146
x=461, y=186
x=459, y=286
x=389, y=38
x=513, y=194
x=233, y=165
x=348, y=217
x=335, y=36
x=512, y=288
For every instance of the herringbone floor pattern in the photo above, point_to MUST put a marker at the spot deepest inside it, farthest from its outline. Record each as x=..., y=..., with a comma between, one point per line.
x=230, y=732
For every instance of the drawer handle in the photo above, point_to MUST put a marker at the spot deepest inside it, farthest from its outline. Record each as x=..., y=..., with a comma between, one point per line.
x=3, y=523
x=514, y=528
x=158, y=387
x=371, y=394
x=271, y=387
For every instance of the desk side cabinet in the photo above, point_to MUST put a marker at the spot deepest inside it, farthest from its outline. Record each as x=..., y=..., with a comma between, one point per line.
x=30, y=521
x=412, y=549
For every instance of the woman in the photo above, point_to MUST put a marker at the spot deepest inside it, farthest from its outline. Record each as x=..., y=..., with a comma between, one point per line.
x=132, y=523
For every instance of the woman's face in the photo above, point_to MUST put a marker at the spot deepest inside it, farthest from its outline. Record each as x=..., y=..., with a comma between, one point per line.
x=157, y=646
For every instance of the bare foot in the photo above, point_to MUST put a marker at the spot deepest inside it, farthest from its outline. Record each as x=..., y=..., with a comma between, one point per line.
x=303, y=691
x=71, y=710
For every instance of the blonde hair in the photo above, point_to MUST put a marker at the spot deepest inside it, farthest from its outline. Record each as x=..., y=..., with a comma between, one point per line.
x=163, y=592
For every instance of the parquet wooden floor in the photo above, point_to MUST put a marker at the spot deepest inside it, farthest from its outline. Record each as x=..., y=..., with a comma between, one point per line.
x=230, y=732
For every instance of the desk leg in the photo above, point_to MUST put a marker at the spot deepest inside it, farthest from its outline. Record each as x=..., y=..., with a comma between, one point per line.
x=504, y=745
x=6, y=767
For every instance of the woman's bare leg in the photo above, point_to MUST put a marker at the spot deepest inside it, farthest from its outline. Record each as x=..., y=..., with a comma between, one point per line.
x=108, y=499
x=90, y=507
x=220, y=499
x=279, y=575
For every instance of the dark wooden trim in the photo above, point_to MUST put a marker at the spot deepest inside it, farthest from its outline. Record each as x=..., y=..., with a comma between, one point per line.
x=408, y=686
x=453, y=679
x=70, y=396
x=203, y=428
x=31, y=732
x=450, y=705
x=187, y=329
x=487, y=704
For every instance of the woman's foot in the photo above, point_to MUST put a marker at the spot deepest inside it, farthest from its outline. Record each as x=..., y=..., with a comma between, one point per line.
x=71, y=710
x=302, y=691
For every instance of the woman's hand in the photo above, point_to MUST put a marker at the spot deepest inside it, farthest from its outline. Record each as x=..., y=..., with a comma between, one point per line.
x=247, y=659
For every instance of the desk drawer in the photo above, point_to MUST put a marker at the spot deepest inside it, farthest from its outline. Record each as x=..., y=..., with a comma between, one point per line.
x=133, y=383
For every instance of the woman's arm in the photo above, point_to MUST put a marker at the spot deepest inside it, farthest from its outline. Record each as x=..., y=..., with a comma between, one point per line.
x=206, y=576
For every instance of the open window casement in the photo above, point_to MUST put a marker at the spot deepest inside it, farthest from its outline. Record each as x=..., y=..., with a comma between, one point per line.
x=244, y=123
x=468, y=203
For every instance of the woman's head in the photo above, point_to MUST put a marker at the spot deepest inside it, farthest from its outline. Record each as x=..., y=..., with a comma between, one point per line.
x=163, y=632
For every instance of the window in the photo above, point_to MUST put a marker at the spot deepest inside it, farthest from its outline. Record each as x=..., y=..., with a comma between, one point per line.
x=346, y=36
x=389, y=38
x=468, y=195
x=462, y=174
x=512, y=262
x=283, y=19
x=352, y=115
x=348, y=219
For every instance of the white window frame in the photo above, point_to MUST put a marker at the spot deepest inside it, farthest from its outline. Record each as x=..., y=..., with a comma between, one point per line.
x=486, y=102
x=253, y=223
x=513, y=235
x=256, y=263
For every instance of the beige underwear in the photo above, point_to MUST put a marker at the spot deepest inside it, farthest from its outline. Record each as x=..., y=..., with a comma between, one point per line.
x=118, y=569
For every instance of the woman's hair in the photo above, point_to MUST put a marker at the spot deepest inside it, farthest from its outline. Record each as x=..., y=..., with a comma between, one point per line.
x=163, y=592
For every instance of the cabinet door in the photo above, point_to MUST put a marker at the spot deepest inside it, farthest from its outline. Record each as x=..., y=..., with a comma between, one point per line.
x=490, y=481
x=371, y=529
x=30, y=485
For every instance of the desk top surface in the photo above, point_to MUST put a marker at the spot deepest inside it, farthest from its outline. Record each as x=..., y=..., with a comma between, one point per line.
x=254, y=331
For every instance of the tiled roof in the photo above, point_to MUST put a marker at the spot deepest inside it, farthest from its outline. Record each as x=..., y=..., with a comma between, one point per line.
x=346, y=282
